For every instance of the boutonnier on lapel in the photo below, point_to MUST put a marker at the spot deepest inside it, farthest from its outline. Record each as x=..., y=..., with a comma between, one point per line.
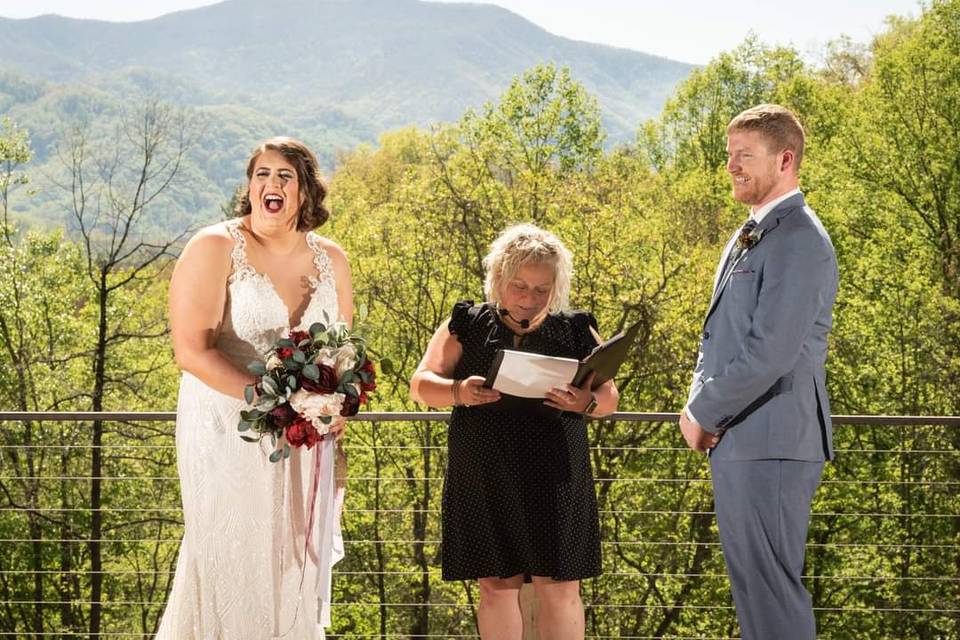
x=748, y=238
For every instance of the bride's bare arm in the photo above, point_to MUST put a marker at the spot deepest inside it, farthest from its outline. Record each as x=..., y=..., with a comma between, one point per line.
x=198, y=293
x=342, y=279
x=341, y=274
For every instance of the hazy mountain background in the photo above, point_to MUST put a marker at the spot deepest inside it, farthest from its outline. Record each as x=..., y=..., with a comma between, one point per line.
x=335, y=73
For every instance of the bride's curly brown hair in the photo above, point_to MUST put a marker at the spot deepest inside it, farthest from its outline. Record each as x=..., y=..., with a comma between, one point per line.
x=311, y=214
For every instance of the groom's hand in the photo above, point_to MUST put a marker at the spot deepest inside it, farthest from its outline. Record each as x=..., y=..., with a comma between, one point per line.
x=697, y=438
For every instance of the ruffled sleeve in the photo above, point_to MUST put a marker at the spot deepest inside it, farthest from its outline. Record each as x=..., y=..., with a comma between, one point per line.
x=463, y=319
x=583, y=322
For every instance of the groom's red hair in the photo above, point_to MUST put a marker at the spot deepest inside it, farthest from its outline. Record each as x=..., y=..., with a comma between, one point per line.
x=778, y=126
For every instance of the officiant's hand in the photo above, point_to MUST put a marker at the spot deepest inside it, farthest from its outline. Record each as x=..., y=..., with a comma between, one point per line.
x=697, y=437
x=472, y=392
x=571, y=398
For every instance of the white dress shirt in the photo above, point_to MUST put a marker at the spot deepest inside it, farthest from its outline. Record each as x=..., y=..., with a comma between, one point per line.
x=761, y=213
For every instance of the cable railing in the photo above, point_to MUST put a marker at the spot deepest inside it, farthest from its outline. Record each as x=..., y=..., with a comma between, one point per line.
x=883, y=553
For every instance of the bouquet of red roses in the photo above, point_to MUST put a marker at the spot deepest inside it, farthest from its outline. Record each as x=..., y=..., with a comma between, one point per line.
x=308, y=378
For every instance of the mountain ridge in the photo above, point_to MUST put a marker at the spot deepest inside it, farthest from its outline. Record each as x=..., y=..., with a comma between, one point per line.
x=389, y=62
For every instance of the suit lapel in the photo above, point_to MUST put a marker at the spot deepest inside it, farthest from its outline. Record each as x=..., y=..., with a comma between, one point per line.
x=769, y=223
x=721, y=268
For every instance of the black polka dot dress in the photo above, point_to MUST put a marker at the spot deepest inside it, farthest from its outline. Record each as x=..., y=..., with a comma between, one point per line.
x=518, y=497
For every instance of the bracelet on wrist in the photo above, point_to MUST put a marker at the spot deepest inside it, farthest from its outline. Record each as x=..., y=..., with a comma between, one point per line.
x=455, y=392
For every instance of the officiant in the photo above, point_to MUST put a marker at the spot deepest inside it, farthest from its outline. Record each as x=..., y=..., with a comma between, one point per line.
x=518, y=498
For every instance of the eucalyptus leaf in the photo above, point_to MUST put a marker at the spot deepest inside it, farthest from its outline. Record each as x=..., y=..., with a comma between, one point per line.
x=276, y=455
x=299, y=357
x=257, y=368
x=285, y=342
x=386, y=366
x=316, y=328
x=286, y=450
x=269, y=386
x=311, y=371
x=266, y=404
x=243, y=425
x=250, y=439
x=248, y=393
x=351, y=390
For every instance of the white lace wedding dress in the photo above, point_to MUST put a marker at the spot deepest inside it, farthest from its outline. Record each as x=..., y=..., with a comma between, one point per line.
x=243, y=573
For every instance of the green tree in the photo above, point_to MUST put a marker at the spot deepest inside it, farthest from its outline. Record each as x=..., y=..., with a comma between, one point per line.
x=114, y=188
x=911, y=143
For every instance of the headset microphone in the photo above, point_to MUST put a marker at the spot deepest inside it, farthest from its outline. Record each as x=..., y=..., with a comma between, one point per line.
x=524, y=324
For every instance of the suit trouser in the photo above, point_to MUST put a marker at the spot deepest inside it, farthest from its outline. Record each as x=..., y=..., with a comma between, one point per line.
x=763, y=512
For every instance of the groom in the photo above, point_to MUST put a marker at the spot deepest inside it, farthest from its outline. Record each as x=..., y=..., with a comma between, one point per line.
x=758, y=400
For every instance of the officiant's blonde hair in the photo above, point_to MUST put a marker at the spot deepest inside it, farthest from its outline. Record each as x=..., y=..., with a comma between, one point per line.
x=524, y=244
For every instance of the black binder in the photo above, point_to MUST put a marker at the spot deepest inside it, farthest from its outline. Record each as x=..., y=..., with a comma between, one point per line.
x=606, y=358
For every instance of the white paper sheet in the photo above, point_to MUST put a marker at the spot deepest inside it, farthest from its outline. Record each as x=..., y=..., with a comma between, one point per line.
x=531, y=375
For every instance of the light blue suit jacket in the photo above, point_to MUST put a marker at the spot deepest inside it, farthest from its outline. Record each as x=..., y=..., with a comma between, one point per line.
x=765, y=336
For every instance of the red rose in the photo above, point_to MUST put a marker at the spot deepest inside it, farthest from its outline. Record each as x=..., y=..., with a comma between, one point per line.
x=351, y=405
x=313, y=437
x=326, y=382
x=299, y=336
x=285, y=352
x=302, y=432
x=283, y=415
x=368, y=368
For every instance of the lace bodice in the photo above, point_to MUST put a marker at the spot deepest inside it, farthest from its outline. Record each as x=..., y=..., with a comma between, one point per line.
x=255, y=316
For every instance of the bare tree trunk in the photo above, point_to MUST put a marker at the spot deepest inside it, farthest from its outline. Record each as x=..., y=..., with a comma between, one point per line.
x=421, y=624
x=377, y=542
x=64, y=584
x=36, y=537
x=96, y=463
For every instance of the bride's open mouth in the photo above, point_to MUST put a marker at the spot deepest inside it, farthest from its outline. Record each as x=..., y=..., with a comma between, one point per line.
x=273, y=203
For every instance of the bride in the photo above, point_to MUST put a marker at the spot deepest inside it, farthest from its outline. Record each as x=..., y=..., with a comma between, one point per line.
x=246, y=569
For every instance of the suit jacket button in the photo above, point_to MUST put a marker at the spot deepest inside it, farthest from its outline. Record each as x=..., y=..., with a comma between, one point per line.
x=706, y=335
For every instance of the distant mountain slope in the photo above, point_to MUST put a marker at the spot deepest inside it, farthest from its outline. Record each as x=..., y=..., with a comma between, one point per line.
x=384, y=63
